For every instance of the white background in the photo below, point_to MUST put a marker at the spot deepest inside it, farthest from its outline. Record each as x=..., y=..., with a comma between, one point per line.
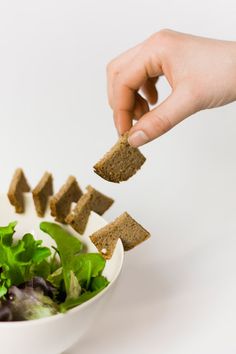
x=177, y=292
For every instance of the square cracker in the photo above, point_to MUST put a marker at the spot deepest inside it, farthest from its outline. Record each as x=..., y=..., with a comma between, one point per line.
x=124, y=227
x=60, y=203
x=42, y=192
x=121, y=162
x=18, y=186
x=92, y=200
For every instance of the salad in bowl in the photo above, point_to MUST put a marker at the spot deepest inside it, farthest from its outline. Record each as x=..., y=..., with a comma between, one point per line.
x=36, y=282
x=53, y=282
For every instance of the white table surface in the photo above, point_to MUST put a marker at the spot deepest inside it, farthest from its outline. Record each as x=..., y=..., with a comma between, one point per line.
x=177, y=291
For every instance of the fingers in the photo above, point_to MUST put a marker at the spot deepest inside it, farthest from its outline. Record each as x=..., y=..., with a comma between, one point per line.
x=190, y=64
x=126, y=75
x=141, y=107
x=123, y=121
x=178, y=106
x=116, y=66
x=126, y=85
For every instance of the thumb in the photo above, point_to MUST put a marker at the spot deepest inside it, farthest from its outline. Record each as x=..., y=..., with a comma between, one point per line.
x=178, y=106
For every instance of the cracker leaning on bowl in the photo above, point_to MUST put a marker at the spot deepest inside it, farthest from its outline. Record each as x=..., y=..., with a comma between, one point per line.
x=42, y=192
x=92, y=200
x=99, y=202
x=124, y=227
x=18, y=187
x=60, y=203
x=121, y=162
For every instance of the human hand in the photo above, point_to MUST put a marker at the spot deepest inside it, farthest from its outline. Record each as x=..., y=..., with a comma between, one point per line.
x=200, y=71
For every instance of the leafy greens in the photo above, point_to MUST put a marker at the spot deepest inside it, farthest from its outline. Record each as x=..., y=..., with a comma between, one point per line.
x=84, y=267
x=28, y=270
x=19, y=261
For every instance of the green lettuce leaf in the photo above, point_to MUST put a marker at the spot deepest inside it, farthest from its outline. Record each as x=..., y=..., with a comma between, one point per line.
x=75, y=288
x=7, y=232
x=56, y=277
x=85, y=266
x=72, y=302
x=68, y=247
x=18, y=260
x=98, y=283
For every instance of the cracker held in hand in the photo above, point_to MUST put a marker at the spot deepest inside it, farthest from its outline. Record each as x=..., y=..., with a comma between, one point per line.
x=92, y=200
x=124, y=227
x=60, y=203
x=42, y=192
x=121, y=162
x=18, y=186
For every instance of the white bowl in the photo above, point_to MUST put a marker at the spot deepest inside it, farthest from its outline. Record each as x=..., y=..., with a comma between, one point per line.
x=55, y=334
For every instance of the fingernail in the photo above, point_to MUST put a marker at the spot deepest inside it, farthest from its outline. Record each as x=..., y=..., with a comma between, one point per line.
x=138, y=138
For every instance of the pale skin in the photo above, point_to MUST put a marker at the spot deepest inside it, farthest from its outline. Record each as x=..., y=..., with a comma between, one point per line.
x=200, y=71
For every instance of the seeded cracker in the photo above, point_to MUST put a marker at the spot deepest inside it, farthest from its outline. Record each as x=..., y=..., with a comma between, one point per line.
x=121, y=162
x=105, y=239
x=124, y=227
